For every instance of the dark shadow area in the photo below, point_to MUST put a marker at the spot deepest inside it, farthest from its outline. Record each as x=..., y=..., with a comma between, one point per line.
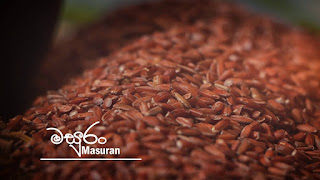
x=26, y=33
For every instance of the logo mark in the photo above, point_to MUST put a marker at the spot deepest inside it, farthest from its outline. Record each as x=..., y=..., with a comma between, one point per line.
x=77, y=138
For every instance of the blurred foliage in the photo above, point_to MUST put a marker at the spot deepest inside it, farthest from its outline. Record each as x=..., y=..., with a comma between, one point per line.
x=305, y=14
x=80, y=11
x=298, y=12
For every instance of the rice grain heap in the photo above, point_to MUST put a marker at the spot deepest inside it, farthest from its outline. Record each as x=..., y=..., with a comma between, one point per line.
x=232, y=96
x=71, y=57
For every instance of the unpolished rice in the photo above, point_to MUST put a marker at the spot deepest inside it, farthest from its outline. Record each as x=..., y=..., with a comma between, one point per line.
x=71, y=57
x=231, y=96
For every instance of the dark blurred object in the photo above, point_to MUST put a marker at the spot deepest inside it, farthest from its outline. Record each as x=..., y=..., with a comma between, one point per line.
x=26, y=29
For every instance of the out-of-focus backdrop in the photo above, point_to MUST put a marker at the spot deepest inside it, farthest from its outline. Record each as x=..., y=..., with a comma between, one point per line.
x=77, y=13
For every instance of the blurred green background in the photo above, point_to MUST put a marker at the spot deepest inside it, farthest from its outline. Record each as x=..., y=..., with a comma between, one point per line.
x=77, y=13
